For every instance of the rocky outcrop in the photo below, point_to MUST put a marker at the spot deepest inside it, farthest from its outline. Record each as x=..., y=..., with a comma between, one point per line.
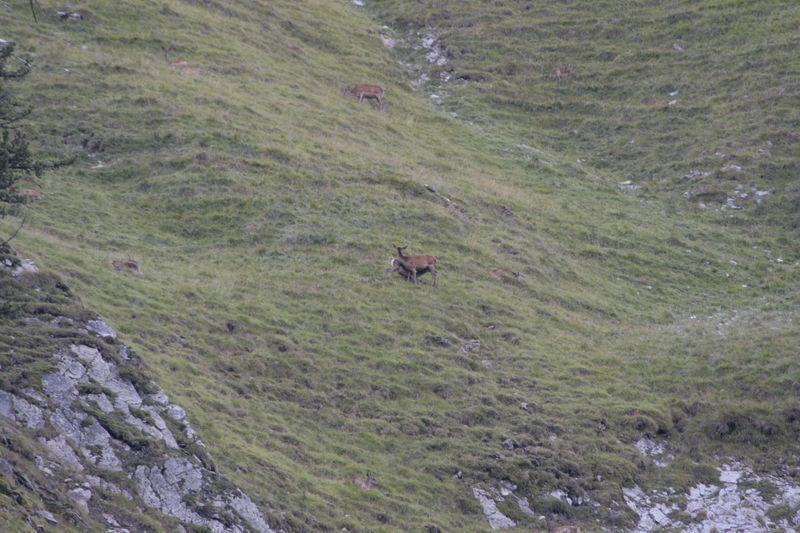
x=103, y=428
x=743, y=501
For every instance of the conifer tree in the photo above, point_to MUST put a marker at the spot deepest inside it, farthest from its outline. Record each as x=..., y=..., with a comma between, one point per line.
x=15, y=156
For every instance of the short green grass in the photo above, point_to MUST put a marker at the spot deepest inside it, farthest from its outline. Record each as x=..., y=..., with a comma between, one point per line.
x=251, y=191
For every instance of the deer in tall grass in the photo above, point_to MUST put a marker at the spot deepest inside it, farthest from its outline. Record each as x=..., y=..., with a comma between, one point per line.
x=366, y=91
x=412, y=266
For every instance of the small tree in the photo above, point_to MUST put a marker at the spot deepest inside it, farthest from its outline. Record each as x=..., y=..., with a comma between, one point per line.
x=15, y=157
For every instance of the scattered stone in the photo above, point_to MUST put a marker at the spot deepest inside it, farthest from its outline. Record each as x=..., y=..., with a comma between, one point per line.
x=469, y=346
x=20, y=410
x=510, y=443
x=561, y=495
x=81, y=497
x=69, y=15
x=102, y=329
x=496, y=519
x=26, y=266
x=736, y=506
x=388, y=42
x=61, y=452
x=7, y=467
x=653, y=449
x=42, y=466
x=47, y=515
x=441, y=341
x=83, y=444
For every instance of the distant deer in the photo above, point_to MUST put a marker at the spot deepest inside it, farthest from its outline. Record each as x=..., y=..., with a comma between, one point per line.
x=561, y=72
x=174, y=62
x=412, y=266
x=29, y=194
x=366, y=91
x=125, y=264
x=367, y=483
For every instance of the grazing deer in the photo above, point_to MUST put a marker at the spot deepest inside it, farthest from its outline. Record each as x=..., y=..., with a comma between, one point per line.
x=560, y=72
x=29, y=194
x=367, y=483
x=366, y=91
x=123, y=264
x=412, y=266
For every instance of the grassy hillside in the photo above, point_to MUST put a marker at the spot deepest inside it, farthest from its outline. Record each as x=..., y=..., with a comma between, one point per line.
x=253, y=193
x=693, y=99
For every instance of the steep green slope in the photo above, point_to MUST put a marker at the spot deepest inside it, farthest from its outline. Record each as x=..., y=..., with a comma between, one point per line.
x=697, y=99
x=256, y=196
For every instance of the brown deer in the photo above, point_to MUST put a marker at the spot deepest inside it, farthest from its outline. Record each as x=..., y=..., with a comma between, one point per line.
x=125, y=264
x=366, y=91
x=412, y=266
x=29, y=194
x=561, y=72
x=367, y=483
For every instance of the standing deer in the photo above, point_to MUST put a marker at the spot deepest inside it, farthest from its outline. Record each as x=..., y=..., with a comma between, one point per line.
x=560, y=72
x=367, y=483
x=366, y=91
x=412, y=266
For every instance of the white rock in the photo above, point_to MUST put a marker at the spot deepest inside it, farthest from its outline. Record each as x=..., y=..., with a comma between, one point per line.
x=497, y=520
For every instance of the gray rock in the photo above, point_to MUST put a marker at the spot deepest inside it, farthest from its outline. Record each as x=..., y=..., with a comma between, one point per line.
x=34, y=395
x=26, y=266
x=159, y=398
x=165, y=489
x=20, y=411
x=496, y=519
x=7, y=405
x=105, y=373
x=163, y=431
x=42, y=466
x=81, y=496
x=154, y=432
x=95, y=481
x=67, y=423
x=176, y=412
x=6, y=467
x=243, y=505
x=57, y=385
x=101, y=328
x=47, y=515
x=61, y=452
x=95, y=436
x=735, y=506
x=101, y=400
x=471, y=345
